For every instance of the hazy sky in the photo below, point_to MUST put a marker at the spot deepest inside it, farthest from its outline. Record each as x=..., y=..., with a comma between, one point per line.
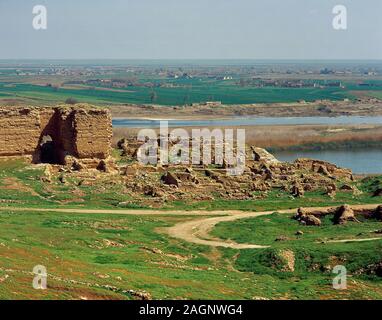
x=191, y=29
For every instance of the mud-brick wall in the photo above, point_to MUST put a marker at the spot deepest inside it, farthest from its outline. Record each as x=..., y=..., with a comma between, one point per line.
x=93, y=133
x=19, y=131
x=81, y=131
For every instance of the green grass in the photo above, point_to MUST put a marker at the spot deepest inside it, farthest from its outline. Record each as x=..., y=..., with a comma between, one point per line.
x=265, y=230
x=98, y=256
x=314, y=259
x=75, y=250
x=196, y=91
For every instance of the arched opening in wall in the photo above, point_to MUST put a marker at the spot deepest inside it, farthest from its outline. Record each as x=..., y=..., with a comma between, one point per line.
x=48, y=151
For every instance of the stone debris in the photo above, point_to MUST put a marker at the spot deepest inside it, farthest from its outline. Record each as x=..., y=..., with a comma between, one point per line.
x=378, y=213
x=170, y=179
x=288, y=259
x=156, y=184
x=260, y=154
x=343, y=214
x=262, y=174
x=307, y=218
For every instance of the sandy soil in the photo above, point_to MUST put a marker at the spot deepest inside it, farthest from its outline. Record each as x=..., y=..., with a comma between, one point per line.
x=366, y=107
x=286, y=135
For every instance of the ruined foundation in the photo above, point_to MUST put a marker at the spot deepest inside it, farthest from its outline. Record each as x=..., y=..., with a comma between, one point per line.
x=57, y=134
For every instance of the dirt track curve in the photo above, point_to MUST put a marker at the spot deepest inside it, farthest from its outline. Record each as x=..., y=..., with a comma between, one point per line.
x=195, y=231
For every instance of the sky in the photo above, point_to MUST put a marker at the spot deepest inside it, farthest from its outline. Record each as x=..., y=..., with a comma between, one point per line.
x=191, y=29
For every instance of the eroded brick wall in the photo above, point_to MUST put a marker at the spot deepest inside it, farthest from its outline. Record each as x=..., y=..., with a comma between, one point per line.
x=92, y=132
x=20, y=130
x=83, y=131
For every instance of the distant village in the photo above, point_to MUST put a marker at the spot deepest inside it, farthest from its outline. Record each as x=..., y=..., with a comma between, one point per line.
x=183, y=76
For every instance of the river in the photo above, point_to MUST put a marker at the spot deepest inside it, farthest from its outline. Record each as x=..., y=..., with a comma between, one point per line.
x=361, y=161
x=250, y=121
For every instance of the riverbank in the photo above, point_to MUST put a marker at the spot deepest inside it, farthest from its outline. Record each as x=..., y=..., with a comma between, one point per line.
x=355, y=147
x=319, y=108
x=287, y=136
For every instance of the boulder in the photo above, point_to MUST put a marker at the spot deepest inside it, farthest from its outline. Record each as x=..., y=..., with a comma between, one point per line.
x=323, y=170
x=311, y=220
x=347, y=187
x=378, y=213
x=282, y=238
x=331, y=190
x=308, y=187
x=47, y=176
x=77, y=165
x=354, y=189
x=343, y=214
x=297, y=191
x=169, y=179
x=288, y=260
x=306, y=218
x=102, y=166
x=153, y=192
x=62, y=179
x=260, y=154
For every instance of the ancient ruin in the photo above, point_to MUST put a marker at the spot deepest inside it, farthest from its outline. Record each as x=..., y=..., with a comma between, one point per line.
x=76, y=141
x=56, y=135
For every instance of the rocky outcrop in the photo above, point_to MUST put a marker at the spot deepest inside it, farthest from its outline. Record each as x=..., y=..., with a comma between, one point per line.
x=344, y=214
x=324, y=168
x=306, y=218
x=260, y=154
x=263, y=174
x=331, y=190
x=288, y=259
x=169, y=179
x=297, y=190
x=378, y=213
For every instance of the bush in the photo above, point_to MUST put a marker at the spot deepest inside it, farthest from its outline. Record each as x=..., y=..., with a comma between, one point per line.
x=71, y=101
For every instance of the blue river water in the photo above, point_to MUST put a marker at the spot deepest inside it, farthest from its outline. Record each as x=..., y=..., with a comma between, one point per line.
x=362, y=161
x=250, y=121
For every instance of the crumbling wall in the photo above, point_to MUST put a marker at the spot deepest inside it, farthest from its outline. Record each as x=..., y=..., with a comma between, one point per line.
x=92, y=132
x=19, y=131
x=80, y=131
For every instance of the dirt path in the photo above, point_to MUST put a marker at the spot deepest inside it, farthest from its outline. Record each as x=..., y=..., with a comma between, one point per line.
x=353, y=240
x=195, y=231
x=125, y=212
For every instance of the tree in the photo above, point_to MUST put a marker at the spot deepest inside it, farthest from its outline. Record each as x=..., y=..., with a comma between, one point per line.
x=153, y=96
x=71, y=101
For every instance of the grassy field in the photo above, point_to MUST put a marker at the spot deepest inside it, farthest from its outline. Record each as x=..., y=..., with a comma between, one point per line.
x=102, y=256
x=313, y=255
x=193, y=91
